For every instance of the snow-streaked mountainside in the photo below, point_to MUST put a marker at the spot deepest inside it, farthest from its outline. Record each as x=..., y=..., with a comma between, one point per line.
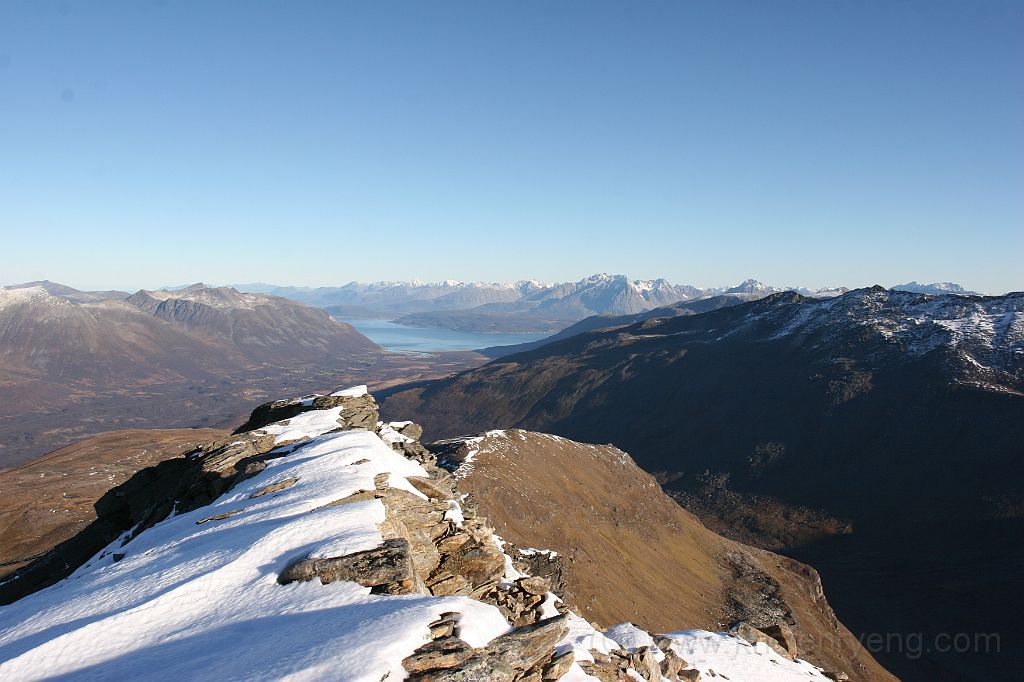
x=396, y=297
x=983, y=336
x=598, y=294
x=935, y=288
x=327, y=545
x=70, y=293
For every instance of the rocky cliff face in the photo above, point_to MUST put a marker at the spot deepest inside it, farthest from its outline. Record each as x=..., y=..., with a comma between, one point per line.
x=318, y=541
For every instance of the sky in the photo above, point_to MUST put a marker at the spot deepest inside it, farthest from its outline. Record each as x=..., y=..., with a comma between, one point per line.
x=798, y=142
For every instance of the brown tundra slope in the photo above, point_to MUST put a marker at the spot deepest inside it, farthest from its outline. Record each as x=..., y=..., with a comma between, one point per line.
x=48, y=501
x=632, y=554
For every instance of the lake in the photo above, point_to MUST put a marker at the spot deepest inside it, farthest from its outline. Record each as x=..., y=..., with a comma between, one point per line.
x=398, y=337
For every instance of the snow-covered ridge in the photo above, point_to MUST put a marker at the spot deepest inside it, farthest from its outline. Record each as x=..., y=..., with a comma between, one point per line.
x=986, y=332
x=347, y=556
x=29, y=295
x=934, y=288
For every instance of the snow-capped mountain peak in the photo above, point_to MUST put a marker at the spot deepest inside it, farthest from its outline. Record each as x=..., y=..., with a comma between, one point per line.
x=934, y=288
x=752, y=286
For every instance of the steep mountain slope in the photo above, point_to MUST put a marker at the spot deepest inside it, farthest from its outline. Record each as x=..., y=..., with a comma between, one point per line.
x=263, y=328
x=901, y=413
x=631, y=553
x=160, y=336
x=49, y=338
x=51, y=499
x=71, y=368
x=328, y=545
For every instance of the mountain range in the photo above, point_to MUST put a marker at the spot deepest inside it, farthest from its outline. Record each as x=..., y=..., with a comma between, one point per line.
x=528, y=305
x=72, y=360
x=57, y=334
x=523, y=306
x=875, y=434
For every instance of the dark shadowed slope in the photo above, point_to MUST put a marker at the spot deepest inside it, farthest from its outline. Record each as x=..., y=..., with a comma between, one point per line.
x=901, y=413
x=595, y=322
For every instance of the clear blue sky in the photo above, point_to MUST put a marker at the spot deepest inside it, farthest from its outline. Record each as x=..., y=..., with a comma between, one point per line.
x=803, y=143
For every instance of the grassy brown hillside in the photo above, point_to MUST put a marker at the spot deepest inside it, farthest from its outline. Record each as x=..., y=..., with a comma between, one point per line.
x=51, y=499
x=632, y=554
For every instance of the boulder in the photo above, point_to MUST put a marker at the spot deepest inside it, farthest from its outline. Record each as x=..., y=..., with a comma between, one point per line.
x=518, y=656
x=443, y=653
x=534, y=585
x=782, y=634
x=671, y=664
x=387, y=569
x=643, y=662
x=558, y=666
x=357, y=412
x=480, y=563
x=754, y=635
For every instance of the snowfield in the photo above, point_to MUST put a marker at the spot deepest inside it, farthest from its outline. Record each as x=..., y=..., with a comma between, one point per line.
x=197, y=597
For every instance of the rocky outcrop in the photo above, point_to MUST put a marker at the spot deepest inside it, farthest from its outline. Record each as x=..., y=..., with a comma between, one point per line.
x=387, y=569
x=542, y=564
x=778, y=637
x=526, y=653
x=359, y=411
x=650, y=663
x=182, y=484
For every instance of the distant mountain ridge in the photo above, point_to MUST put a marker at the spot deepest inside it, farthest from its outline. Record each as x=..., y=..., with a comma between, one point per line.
x=64, y=354
x=65, y=333
x=263, y=327
x=524, y=305
x=70, y=293
x=935, y=288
